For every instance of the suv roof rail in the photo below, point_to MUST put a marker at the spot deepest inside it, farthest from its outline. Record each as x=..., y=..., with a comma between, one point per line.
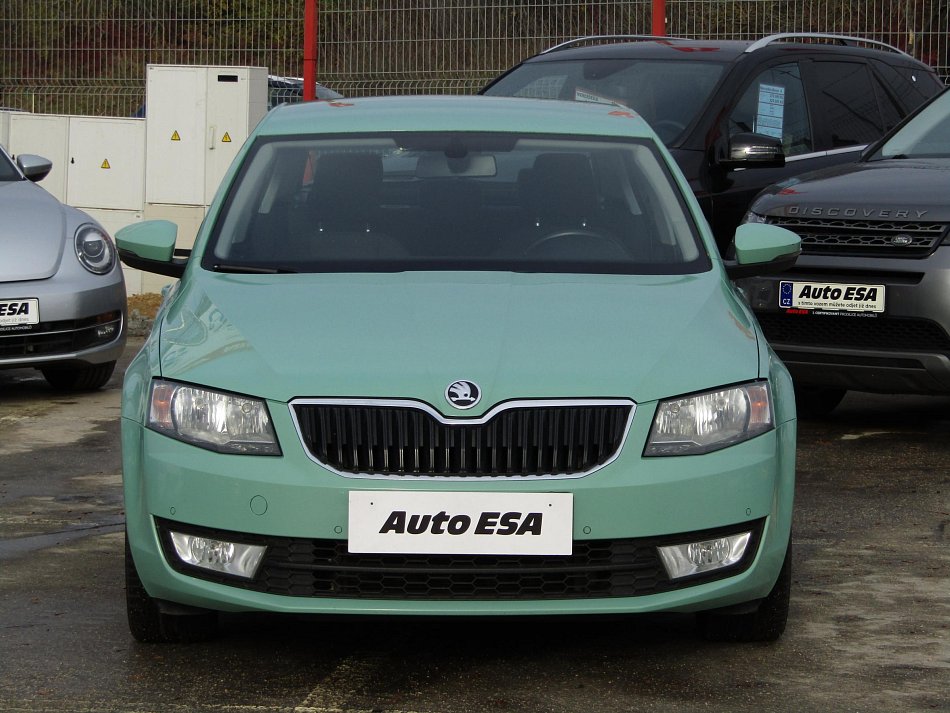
x=612, y=38
x=840, y=39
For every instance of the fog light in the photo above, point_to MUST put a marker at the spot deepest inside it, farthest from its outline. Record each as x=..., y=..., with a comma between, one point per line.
x=218, y=555
x=704, y=556
x=105, y=331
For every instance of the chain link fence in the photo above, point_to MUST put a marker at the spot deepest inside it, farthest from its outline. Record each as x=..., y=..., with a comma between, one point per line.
x=89, y=56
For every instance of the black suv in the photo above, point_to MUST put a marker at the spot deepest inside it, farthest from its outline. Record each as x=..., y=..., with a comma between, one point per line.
x=782, y=105
x=867, y=306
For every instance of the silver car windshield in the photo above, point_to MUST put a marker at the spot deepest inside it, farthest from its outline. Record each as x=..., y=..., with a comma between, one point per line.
x=669, y=95
x=927, y=135
x=456, y=202
x=8, y=171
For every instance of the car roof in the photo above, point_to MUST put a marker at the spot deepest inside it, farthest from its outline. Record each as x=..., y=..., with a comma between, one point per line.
x=667, y=48
x=454, y=113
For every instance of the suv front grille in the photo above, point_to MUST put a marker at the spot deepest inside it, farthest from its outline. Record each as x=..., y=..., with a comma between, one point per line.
x=883, y=333
x=300, y=567
x=833, y=236
x=515, y=439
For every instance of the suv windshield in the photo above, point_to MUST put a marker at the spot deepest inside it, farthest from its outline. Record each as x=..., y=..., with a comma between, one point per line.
x=455, y=201
x=667, y=94
x=927, y=135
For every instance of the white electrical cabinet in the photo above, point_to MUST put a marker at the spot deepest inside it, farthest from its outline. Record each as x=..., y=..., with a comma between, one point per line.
x=46, y=135
x=5, y=129
x=197, y=118
x=106, y=163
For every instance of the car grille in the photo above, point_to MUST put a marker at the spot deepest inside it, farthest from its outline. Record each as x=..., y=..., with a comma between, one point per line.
x=884, y=333
x=298, y=567
x=522, y=439
x=64, y=337
x=827, y=236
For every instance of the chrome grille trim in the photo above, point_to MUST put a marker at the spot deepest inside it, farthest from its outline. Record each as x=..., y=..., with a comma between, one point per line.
x=438, y=417
x=862, y=236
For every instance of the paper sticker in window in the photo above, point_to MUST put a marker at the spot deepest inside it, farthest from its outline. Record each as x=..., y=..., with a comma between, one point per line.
x=771, y=111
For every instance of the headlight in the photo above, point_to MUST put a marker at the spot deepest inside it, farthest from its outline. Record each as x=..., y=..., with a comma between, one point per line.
x=211, y=419
x=751, y=217
x=94, y=249
x=710, y=421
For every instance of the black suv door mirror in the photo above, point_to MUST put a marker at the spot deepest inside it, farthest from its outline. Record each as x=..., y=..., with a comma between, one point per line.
x=748, y=150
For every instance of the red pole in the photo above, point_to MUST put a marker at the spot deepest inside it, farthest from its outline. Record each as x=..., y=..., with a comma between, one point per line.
x=310, y=14
x=659, y=18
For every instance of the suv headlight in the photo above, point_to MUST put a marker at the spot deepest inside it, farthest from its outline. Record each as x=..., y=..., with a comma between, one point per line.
x=710, y=421
x=751, y=217
x=94, y=249
x=211, y=419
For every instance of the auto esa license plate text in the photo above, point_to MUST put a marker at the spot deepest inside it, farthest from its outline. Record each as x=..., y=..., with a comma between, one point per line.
x=15, y=312
x=831, y=296
x=409, y=522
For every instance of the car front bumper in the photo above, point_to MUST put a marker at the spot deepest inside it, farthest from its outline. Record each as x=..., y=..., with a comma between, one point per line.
x=172, y=484
x=906, y=349
x=80, y=324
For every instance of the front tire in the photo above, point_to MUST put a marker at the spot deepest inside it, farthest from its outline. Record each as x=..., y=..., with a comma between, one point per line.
x=767, y=623
x=815, y=402
x=150, y=626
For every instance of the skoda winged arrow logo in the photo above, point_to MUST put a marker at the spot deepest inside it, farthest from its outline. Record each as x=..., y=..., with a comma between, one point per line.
x=463, y=394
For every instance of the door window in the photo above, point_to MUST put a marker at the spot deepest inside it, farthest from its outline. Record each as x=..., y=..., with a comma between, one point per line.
x=774, y=104
x=849, y=105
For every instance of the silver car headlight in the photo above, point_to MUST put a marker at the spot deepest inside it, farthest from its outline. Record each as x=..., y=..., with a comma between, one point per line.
x=94, y=249
x=709, y=421
x=211, y=419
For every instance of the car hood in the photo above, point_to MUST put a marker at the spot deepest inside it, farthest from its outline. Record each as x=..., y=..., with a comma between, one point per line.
x=410, y=335
x=912, y=189
x=31, y=232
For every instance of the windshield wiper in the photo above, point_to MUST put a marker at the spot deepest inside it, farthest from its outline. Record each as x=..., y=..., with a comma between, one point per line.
x=252, y=269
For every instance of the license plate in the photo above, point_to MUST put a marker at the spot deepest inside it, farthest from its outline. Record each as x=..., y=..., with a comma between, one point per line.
x=831, y=296
x=402, y=522
x=17, y=312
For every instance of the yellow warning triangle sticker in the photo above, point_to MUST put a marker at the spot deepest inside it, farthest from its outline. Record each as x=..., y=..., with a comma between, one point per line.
x=226, y=139
x=176, y=137
x=105, y=164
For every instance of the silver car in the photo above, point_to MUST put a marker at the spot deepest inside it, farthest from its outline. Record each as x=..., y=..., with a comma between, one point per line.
x=62, y=294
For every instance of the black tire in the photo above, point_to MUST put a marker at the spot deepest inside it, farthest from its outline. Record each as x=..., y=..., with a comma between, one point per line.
x=80, y=378
x=767, y=623
x=150, y=626
x=813, y=402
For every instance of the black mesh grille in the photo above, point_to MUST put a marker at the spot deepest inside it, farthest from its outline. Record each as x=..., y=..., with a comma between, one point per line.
x=828, y=236
x=323, y=568
x=52, y=338
x=519, y=441
x=911, y=335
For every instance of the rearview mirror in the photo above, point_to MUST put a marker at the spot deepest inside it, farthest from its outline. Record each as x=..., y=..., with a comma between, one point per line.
x=34, y=167
x=748, y=150
x=150, y=246
x=763, y=249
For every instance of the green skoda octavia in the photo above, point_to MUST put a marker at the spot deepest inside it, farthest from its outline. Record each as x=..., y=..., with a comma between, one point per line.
x=456, y=356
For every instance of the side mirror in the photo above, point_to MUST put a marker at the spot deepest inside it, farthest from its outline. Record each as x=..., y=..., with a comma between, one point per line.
x=34, y=167
x=762, y=249
x=748, y=150
x=150, y=246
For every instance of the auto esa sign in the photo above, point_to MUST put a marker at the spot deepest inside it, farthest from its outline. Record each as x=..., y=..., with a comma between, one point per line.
x=408, y=522
x=831, y=296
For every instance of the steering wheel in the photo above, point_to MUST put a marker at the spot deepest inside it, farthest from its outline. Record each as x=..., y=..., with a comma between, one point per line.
x=565, y=235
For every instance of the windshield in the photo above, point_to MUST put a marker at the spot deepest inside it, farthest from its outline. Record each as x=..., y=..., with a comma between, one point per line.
x=8, y=171
x=668, y=94
x=455, y=201
x=927, y=135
